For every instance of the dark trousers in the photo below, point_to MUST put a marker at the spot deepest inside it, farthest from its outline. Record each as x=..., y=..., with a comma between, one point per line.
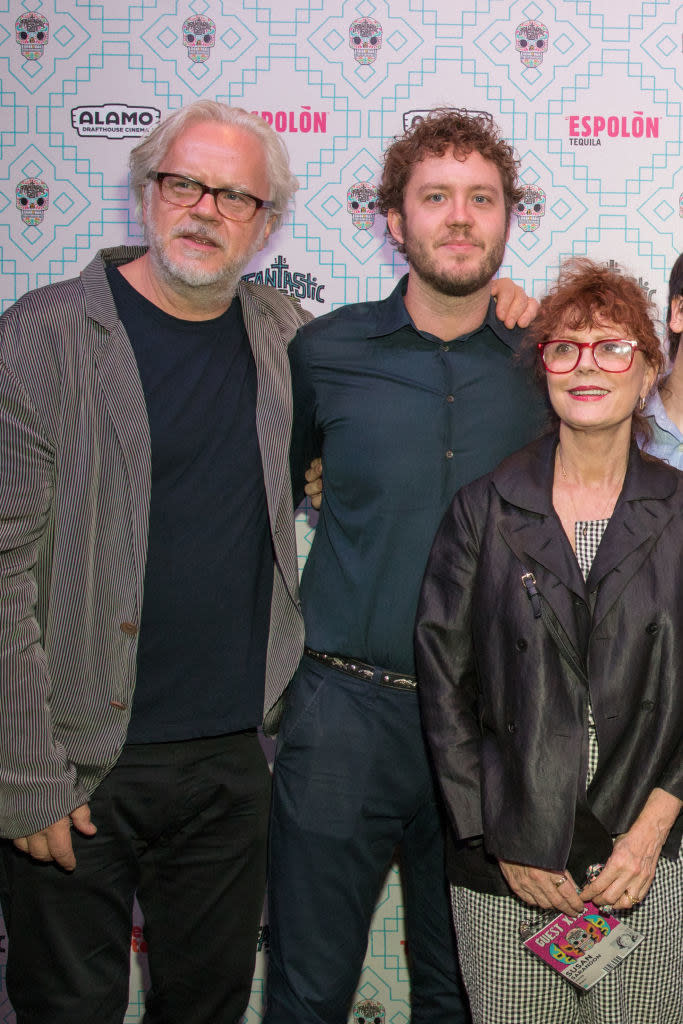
x=184, y=826
x=351, y=783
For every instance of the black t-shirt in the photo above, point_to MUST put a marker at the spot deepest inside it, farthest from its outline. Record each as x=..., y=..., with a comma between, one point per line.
x=208, y=580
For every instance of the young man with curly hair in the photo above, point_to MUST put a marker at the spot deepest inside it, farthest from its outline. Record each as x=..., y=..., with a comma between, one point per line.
x=405, y=399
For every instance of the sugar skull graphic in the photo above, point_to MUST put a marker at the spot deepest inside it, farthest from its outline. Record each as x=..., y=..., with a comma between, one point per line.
x=361, y=203
x=560, y=954
x=369, y=1012
x=199, y=35
x=33, y=31
x=580, y=940
x=365, y=39
x=531, y=208
x=531, y=39
x=32, y=200
x=597, y=926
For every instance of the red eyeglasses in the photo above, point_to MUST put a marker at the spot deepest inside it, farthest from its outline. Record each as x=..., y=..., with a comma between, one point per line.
x=615, y=355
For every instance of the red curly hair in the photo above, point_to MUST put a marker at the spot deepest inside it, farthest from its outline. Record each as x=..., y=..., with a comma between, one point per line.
x=586, y=295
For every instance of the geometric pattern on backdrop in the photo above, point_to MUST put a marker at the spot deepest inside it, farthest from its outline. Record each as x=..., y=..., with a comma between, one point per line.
x=589, y=92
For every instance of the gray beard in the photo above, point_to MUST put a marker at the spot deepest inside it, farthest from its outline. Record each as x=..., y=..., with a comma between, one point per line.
x=194, y=283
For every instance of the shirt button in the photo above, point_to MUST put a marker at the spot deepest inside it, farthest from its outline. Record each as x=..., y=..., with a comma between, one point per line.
x=449, y=398
x=449, y=454
x=129, y=628
x=445, y=348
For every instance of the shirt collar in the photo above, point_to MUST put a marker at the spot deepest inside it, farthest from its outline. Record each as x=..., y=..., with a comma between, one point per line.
x=392, y=316
x=655, y=409
x=391, y=313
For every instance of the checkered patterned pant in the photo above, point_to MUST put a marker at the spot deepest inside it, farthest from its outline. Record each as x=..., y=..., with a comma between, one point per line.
x=507, y=984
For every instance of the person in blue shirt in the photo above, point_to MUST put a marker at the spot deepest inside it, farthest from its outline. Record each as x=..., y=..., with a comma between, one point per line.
x=406, y=400
x=664, y=409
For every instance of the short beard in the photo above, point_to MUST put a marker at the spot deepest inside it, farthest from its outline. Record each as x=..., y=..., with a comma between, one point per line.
x=202, y=287
x=451, y=283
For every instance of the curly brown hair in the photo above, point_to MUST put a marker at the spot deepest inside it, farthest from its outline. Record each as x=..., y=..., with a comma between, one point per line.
x=585, y=295
x=445, y=129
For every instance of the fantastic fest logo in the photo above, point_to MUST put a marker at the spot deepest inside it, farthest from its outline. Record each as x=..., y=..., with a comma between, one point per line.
x=114, y=121
x=298, y=284
x=642, y=283
x=592, y=129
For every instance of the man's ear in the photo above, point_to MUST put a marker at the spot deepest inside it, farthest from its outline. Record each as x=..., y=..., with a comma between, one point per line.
x=395, y=225
x=266, y=232
x=676, y=319
x=144, y=202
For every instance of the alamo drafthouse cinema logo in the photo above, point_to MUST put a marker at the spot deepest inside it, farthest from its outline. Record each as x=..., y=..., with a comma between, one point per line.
x=114, y=120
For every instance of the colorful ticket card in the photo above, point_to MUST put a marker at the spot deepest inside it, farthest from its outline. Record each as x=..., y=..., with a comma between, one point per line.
x=586, y=948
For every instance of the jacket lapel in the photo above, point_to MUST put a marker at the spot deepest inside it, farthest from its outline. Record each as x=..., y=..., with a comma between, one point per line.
x=638, y=519
x=120, y=381
x=273, y=400
x=533, y=531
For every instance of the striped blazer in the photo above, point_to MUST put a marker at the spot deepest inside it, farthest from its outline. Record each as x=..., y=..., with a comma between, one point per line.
x=75, y=479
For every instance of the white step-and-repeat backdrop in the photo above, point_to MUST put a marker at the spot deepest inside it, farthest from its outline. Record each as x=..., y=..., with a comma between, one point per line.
x=590, y=93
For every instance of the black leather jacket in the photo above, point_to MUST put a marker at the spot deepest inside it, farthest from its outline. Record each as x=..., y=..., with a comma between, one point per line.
x=505, y=675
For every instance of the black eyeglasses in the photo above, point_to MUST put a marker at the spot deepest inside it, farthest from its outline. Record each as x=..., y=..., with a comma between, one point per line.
x=614, y=355
x=232, y=203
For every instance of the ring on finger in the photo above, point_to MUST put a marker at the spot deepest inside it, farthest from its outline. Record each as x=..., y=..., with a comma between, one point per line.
x=560, y=881
x=632, y=899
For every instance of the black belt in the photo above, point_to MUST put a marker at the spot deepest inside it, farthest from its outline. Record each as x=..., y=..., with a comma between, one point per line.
x=361, y=670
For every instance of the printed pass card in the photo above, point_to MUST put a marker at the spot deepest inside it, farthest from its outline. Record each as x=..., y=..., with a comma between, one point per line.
x=586, y=948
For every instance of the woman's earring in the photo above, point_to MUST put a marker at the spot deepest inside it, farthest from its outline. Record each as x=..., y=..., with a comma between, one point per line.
x=641, y=403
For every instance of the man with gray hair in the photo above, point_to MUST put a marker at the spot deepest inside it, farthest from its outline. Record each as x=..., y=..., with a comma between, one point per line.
x=145, y=413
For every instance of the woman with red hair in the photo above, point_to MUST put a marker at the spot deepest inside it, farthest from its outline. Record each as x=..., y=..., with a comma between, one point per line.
x=549, y=646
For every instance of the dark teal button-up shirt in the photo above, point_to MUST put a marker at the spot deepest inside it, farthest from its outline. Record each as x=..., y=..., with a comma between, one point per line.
x=402, y=419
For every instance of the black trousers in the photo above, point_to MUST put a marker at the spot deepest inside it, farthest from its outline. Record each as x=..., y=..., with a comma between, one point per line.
x=183, y=826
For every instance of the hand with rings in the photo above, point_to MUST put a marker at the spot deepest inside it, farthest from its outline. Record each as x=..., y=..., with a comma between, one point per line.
x=542, y=887
x=633, y=899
